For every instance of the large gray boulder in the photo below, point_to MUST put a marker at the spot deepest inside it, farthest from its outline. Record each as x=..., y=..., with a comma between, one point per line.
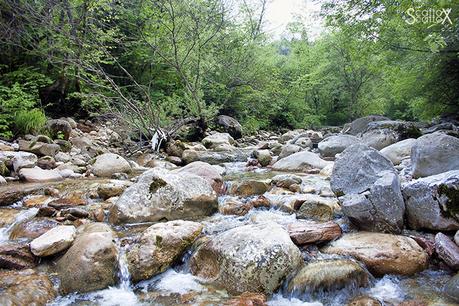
x=300, y=161
x=431, y=202
x=335, y=144
x=369, y=189
x=160, y=194
x=212, y=174
x=38, y=175
x=360, y=125
x=380, y=134
x=19, y=159
x=229, y=125
x=215, y=158
x=255, y=258
x=217, y=139
x=399, y=150
x=288, y=150
x=434, y=153
x=109, y=163
x=160, y=246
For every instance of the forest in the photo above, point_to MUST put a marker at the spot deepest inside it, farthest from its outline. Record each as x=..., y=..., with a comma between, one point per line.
x=158, y=63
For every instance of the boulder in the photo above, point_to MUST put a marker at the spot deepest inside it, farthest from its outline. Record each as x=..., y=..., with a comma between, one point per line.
x=300, y=161
x=234, y=207
x=90, y=263
x=314, y=207
x=59, y=129
x=308, y=232
x=360, y=125
x=303, y=142
x=53, y=241
x=381, y=253
x=286, y=180
x=160, y=246
x=431, y=202
x=215, y=158
x=109, y=163
x=212, y=174
x=263, y=156
x=32, y=228
x=328, y=275
x=447, y=251
x=214, y=140
x=247, y=188
x=255, y=258
x=379, y=138
x=46, y=163
x=163, y=195
x=229, y=125
x=398, y=151
x=25, y=287
x=22, y=160
x=288, y=150
x=16, y=256
x=113, y=188
x=335, y=144
x=433, y=154
x=380, y=209
x=291, y=135
x=38, y=175
x=39, y=148
x=452, y=288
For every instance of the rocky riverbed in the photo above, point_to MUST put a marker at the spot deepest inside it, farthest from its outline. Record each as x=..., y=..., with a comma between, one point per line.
x=363, y=215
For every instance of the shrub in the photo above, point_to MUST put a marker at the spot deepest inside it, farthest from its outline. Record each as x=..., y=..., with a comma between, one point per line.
x=29, y=121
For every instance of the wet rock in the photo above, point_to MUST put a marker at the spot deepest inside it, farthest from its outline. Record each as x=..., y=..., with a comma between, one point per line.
x=314, y=207
x=38, y=175
x=32, y=228
x=53, y=241
x=335, y=144
x=46, y=162
x=247, y=299
x=249, y=187
x=25, y=288
x=160, y=246
x=217, y=139
x=364, y=301
x=288, y=150
x=16, y=256
x=92, y=260
x=59, y=129
x=381, y=209
x=230, y=125
x=431, y=202
x=163, y=195
x=452, y=288
x=447, y=251
x=360, y=125
x=398, y=151
x=286, y=180
x=328, y=275
x=263, y=156
x=110, y=163
x=254, y=258
x=212, y=174
x=381, y=253
x=72, y=199
x=22, y=160
x=10, y=194
x=307, y=232
x=8, y=216
x=300, y=161
x=235, y=207
x=215, y=158
x=2, y=180
x=113, y=188
x=433, y=154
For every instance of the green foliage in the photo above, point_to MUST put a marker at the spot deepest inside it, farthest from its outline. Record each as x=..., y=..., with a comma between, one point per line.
x=29, y=121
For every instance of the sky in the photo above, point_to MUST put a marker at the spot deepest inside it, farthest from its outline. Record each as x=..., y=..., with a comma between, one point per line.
x=280, y=12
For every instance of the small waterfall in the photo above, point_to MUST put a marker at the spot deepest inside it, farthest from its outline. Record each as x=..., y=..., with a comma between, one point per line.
x=21, y=217
x=123, y=273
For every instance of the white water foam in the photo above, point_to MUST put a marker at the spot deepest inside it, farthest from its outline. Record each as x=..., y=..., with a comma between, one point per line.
x=179, y=282
x=279, y=300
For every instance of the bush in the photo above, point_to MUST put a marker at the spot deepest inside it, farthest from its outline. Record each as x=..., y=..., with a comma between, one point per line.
x=29, y=121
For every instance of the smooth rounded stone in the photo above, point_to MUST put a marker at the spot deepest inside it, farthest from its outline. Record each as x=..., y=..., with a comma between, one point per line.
x=72, y=199
x=215, y=158
x=33, y=228
x=434, y=153
x=214, y=140
x=380, y=209
x=22, y=160
x=263, y=156
x=255, y=258
x=315, y=207
x=160, y=246
x=229, y=125
x=327, y=170
x=36, y=200
x=451, y=288
x=113, y=188
x=303, y=142
x=109, y=163
x=379, y=138
x=46, y=163
x=38, y=175
x=16, y=256
x=8, y=216
x=62, y=157
x=328, y=275
x=234, y=207
x=175, y=160
x=357, y=168
x=92, y=260
x=286, y=180
x=307, y=232
x=53, y=241
x=248, y=188
x=291, y=135
x=447, y=251
x=211, y=173
x=59, y=129
x=431, y=202
x=365, y=301
x=335, y=144
x=39, y=148
x=456, y=238
x=163, y=195
x=288, y=150
x=25, y=287
x=398, y=151
x=300, y=161
x=361, y=124
x=381, y=253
